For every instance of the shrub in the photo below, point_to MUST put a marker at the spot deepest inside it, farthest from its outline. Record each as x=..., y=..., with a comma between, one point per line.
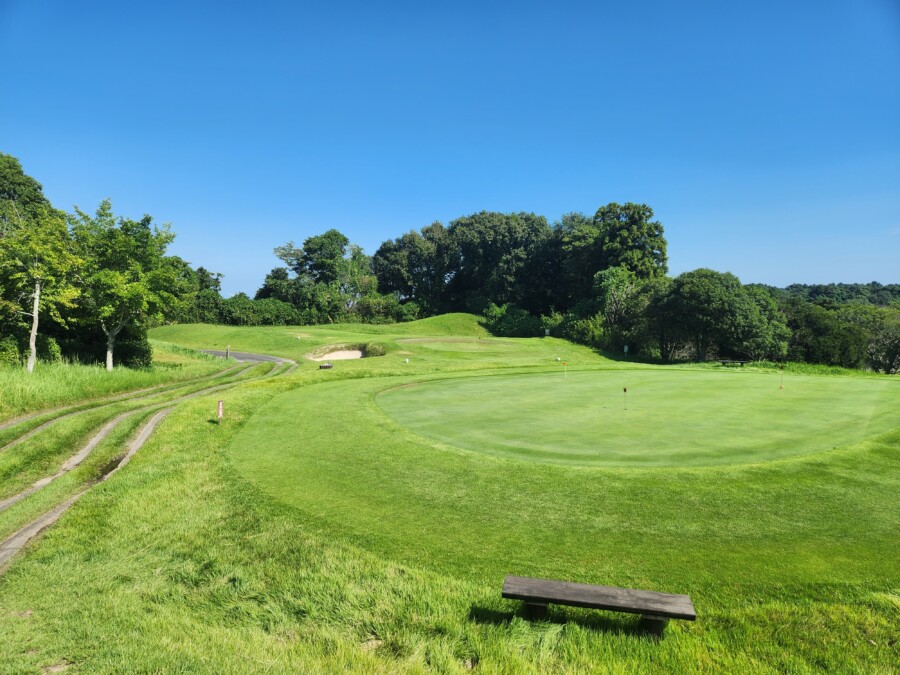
x=590, y=331
x=48, y=349
x=511, y=321
x=9, y=352
x=373, y=349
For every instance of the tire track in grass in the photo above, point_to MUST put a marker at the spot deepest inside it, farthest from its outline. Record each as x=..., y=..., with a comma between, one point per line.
x=98, y=438
x=114, y=398
x=70, y=463
x=106, y=404
x=15, y=543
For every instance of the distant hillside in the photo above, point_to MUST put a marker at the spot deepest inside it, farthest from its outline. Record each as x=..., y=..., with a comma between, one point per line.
x=872, y=293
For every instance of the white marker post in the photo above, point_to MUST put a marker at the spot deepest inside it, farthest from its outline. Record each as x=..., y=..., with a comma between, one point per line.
x=221, y=411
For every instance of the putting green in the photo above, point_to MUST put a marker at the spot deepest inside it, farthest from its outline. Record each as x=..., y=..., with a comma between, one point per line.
x=672, y=418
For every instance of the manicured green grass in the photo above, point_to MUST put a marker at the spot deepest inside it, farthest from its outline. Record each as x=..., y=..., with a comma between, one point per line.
x=451, y=342
x=667, y=418
x=313, y=532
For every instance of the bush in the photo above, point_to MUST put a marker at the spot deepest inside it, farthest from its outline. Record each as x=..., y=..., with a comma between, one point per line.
x=552, y=322
x=590, y=331
x=9, y=352
x=48, y=349
x=133, y=352
x=373, y=349
x=511, y=321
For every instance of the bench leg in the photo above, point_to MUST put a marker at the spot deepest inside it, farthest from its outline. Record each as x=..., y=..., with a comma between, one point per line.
x=533, y=611
x=655, y=625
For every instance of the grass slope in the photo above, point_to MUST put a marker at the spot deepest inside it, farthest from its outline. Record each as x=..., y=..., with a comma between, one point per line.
x=312, y=533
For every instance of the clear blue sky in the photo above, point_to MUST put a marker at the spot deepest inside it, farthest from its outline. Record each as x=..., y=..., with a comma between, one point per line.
x=765, y=135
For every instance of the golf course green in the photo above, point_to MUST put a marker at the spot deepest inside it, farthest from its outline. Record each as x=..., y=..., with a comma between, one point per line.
x=644, y=418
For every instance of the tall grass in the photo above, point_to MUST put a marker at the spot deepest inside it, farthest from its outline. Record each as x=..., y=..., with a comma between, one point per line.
x=56, y=384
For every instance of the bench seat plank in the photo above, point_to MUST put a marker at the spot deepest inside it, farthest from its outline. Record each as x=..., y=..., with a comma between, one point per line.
x=651, y=603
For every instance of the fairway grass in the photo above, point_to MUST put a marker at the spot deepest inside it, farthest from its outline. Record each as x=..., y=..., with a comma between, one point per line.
x=322, y=528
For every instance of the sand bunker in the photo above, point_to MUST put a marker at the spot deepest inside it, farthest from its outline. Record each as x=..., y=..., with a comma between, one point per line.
x=341, y=355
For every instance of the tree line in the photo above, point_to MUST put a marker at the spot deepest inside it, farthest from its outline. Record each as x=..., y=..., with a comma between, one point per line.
x=96, y=282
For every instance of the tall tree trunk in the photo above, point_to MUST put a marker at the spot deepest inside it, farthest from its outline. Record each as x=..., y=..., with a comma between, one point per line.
x=110, y=343
x=32, y=340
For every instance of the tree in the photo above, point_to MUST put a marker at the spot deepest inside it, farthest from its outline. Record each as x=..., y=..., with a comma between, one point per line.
x=123, y=276
x=661, y=316
x=713, y=310
x=580, y=257
x=819, y=336
x=881, y=326
x=629, y=238
x=417, y=267
x=37, y=264
x=770, y=341
x=319, y=258
x=21, y=196
x=616, y=288
x=490, y=256
x=209, y=281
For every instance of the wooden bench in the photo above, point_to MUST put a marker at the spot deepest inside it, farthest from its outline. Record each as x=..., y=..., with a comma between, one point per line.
x=655, y=608
x=731, y=362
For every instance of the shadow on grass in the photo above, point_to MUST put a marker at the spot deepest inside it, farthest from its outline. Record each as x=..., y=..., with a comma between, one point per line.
x=605, y=623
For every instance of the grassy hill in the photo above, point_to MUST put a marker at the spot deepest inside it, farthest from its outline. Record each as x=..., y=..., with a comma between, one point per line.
x=362, y=518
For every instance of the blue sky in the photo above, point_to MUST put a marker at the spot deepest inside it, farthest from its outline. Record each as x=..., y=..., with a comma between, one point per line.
x=765, y=135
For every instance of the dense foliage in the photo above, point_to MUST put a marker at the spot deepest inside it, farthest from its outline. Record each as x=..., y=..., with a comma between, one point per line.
x=82, y=286
x=598, y=280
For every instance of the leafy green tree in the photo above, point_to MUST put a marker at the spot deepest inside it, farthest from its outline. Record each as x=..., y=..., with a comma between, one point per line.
x=881, y=326
x=715, y=311
x=630, y=238
x=209, y=281
x=356, y=278
x=580, y=256
x=616, y=289
x=278, y=285
x=491, y=255
x=661, y=323
x=417, y=267
x=819, y=336
x=124, y=277
x=320, y=258
x=37, y=266
x=770, y=338
x=21, y=196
